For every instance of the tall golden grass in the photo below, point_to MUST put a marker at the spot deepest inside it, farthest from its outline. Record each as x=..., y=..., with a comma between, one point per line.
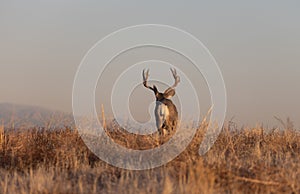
x=248, y=160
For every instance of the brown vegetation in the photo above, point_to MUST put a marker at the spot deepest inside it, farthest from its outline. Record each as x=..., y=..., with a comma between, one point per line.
x=241, y=161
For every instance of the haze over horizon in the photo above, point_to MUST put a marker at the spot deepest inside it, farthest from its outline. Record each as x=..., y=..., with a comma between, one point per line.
x=256, y=45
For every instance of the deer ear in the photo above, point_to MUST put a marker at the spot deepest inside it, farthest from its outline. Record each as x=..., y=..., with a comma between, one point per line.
x=170, y=92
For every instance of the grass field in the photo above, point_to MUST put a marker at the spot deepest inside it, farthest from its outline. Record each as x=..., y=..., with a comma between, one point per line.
x=248, y=160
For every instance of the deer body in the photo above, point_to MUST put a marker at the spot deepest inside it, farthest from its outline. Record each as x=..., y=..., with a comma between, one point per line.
x=165, y=111
x=166, y=116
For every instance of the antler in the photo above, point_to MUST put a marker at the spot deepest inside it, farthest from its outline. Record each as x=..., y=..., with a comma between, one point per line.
x=176, y=77
x=145, y=79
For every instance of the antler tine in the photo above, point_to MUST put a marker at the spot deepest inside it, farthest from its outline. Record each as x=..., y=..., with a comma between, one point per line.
x=145, y=79
x=176, y=77
x=145, y=75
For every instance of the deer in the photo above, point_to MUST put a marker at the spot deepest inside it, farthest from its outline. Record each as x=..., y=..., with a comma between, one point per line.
x=166, y=115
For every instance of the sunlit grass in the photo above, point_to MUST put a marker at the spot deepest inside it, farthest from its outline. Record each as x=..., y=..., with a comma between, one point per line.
x=249, y=160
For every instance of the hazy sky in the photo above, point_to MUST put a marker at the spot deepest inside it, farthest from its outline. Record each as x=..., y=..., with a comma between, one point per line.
x=256, y=44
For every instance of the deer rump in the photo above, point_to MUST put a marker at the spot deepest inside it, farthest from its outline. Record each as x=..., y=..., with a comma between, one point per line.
x=166, y=116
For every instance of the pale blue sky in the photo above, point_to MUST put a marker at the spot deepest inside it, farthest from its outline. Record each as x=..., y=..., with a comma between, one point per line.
x=255, y=43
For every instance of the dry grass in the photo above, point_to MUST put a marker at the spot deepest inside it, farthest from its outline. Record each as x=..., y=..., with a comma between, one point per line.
x=241, y=161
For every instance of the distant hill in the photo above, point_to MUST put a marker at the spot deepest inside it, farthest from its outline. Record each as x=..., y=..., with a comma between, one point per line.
x=23, y=116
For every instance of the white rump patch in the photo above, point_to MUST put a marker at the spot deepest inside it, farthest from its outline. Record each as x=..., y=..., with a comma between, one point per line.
x=161, y=112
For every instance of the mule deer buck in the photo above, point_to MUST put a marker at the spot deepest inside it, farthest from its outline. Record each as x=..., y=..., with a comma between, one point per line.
x=166, y=114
